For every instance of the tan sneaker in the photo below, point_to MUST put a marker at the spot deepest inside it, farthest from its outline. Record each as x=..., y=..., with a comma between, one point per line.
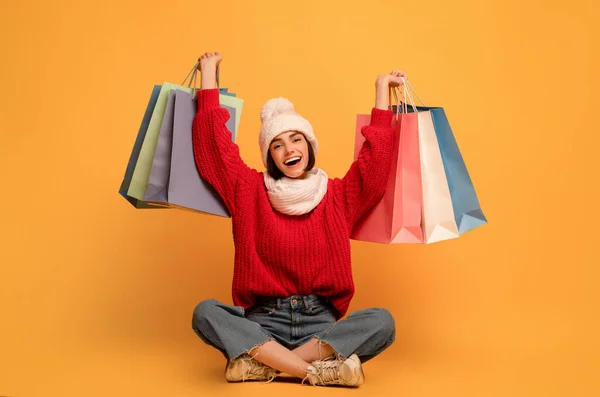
x=246, y=368
x=336, y=371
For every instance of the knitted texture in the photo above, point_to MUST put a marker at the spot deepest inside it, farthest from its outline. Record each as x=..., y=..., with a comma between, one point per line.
x=280, y=255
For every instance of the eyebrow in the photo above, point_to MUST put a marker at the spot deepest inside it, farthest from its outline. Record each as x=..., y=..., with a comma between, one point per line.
x=281, y=140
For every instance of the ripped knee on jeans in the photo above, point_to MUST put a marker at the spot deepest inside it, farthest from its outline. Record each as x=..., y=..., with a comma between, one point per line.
x=329, y=350
x=254, y=351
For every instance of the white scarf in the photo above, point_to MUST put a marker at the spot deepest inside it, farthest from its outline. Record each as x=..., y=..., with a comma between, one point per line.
x=297, y=196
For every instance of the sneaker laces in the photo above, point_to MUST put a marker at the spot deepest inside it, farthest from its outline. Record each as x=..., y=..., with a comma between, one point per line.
x=257, y=369
x=313, y=378
x=327, y=371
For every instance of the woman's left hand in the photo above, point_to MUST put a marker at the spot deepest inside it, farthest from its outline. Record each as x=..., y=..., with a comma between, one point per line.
x=382, y=85
x=394, y=79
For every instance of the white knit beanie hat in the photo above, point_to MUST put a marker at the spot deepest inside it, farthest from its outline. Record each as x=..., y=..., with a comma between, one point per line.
x=277, y=116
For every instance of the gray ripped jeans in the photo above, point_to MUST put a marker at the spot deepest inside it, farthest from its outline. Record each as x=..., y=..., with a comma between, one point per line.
x=292, y=322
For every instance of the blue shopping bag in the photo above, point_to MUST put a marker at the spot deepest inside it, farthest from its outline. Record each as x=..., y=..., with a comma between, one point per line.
x=467, y=210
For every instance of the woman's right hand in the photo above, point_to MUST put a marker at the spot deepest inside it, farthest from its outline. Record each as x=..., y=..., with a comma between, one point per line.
x=210, y=60
x=208, y=64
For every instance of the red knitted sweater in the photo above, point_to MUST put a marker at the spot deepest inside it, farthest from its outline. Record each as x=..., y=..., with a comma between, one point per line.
x=280, y=255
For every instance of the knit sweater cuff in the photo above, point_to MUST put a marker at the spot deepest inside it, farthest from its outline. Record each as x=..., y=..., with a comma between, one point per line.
x=208, y=99
x=381, y=118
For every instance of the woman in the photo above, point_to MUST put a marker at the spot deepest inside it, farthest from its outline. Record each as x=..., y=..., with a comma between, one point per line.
x=291, y=226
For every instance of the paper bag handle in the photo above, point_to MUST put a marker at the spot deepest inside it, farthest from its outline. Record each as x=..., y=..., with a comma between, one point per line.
x=405, y=95
x=411, y=88
x=192, y=80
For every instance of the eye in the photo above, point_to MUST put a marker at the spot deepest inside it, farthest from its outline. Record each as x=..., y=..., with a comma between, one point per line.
x=276, y=147
x=297, y=139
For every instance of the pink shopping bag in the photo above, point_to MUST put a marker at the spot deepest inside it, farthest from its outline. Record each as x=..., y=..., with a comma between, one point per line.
x=397, y=218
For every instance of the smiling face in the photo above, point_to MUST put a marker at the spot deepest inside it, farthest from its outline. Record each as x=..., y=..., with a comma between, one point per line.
x=290, y=153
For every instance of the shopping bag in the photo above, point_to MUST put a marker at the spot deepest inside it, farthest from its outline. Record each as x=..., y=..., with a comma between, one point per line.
x=135, y=153
x=158, y=179
x=160, y=174
x=467, y=209
x=397, y=217
x=238, y=104
x=187, y=189
x=157, y=191
x=139, y=180
x=151, y=111
x=449, y=205
x=141, y=186
x=438, y=213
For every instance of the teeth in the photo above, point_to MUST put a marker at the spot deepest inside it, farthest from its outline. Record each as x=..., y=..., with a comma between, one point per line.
x=292, y=159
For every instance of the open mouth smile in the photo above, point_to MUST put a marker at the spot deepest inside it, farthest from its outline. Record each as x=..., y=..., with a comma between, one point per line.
x=292, y=161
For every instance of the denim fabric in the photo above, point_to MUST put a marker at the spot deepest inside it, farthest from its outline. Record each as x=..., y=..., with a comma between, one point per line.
x=292, y=322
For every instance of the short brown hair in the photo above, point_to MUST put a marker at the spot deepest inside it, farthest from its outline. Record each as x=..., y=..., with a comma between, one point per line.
x=277, y=174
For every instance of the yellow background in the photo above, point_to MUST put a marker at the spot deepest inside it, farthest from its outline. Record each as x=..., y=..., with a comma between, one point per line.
x=96, y=297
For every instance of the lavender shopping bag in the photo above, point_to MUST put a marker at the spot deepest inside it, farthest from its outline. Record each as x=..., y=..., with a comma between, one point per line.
x=187, y=189
x=160, y=173
x=158, y=180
